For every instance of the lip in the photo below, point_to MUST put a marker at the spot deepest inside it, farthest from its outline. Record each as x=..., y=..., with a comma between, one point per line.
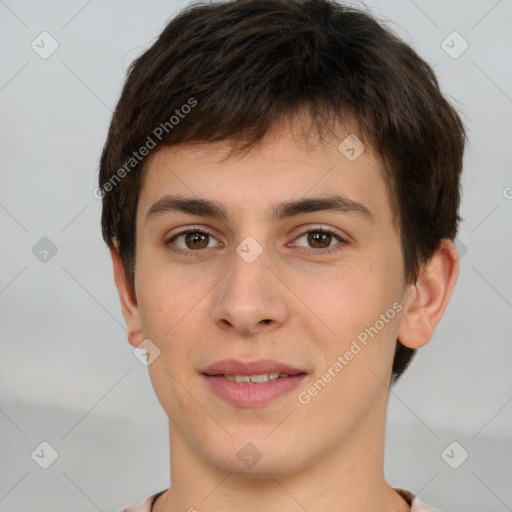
x=237, y=367
x=241, y=394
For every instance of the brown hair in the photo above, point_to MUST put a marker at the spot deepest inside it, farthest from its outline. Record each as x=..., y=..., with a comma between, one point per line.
x=232, y=70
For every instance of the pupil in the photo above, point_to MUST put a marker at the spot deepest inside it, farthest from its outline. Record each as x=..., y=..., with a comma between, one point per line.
x=318, y=238
x=193, y=238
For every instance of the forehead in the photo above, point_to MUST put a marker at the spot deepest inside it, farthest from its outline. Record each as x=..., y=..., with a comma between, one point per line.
x=284, y=167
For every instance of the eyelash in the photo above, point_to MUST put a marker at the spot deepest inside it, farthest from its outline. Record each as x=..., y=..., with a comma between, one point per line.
x=309, y=252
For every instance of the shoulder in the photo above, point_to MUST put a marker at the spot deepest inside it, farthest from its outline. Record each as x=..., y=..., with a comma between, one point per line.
x=143, y=506
x=414, y=502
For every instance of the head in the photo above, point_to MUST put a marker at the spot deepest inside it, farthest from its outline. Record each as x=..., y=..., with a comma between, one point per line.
x=245, y=103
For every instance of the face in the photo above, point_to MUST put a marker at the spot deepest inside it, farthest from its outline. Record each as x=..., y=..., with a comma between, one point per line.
x=284, y=261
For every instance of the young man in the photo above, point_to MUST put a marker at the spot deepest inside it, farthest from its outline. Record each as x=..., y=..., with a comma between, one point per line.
x=280, y=190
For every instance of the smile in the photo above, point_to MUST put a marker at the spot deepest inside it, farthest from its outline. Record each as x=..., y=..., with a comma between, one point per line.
x=256, y=379
x=252, y=390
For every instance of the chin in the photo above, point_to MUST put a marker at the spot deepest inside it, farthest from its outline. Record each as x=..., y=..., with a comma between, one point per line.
x=257, y=458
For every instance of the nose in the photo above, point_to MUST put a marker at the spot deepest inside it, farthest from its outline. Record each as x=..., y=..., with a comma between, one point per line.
x=250, y=298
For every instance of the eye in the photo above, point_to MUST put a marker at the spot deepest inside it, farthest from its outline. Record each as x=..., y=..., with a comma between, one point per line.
x=191, y=241
x=321, y=240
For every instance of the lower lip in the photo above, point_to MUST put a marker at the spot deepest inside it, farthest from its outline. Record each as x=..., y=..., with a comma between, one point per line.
x=242, y=394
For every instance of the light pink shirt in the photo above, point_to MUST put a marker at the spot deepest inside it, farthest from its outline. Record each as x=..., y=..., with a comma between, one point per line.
x=414, y=502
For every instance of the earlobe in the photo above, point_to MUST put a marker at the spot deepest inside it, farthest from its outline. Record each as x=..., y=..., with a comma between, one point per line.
x=429, y=297
x=129, y=306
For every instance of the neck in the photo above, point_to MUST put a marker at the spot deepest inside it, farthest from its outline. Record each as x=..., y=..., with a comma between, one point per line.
x=349, y=478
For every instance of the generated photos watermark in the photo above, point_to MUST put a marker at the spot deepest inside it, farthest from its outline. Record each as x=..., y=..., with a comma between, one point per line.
x=357, y=345
x=144, y=150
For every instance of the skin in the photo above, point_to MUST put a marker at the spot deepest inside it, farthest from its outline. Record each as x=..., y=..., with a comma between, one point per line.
x=323, y=455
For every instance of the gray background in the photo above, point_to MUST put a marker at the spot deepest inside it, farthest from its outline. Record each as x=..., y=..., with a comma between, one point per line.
x=68, y=375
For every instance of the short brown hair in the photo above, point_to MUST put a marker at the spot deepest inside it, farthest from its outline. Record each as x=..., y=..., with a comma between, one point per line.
x=240, y=66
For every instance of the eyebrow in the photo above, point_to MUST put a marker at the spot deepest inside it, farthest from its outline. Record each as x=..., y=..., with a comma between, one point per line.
x=208, y=208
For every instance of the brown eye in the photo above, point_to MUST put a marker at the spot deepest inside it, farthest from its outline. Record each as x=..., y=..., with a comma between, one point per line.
x=196, y=240
x=318, y=239
x=191, y=242
x=318, y=242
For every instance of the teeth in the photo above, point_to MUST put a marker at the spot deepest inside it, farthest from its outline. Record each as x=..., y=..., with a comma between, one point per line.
x=254, y=379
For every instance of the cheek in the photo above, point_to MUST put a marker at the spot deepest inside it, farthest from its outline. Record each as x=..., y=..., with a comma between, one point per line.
x=353, y=364
x=165, y=298
x=349, y=298
x=355, y=312
x=170, y=307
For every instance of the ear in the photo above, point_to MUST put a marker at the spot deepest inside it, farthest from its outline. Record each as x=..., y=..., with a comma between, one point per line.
x=128, y=300
x=428, y=298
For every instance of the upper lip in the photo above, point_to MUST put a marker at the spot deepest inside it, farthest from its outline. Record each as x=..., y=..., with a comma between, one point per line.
x=237, y=367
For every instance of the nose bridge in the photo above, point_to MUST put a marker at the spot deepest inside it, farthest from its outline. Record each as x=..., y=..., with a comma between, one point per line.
x=249, y=296
x=249, y=270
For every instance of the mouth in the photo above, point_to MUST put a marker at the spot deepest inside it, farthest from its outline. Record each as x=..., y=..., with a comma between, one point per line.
x=256, y=379
x=262, y=367
x=259, y=378
x=252, y=384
